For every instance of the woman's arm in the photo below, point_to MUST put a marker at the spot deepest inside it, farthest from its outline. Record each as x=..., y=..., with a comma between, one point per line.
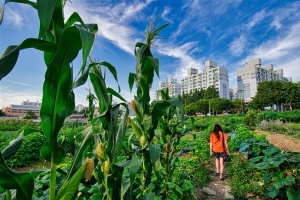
x=210, y=147
x=226, y=146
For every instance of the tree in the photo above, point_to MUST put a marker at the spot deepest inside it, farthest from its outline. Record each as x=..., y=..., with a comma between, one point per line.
x=211, y=93
x=220, y=104
x=202, y=106
x=30, y=115
x=2, y=113
x=236, y=105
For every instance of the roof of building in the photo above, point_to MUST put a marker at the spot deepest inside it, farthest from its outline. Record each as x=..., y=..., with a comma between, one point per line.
x=25, y=107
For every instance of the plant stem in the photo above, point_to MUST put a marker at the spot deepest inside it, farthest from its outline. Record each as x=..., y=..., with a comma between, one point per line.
x=8, y=195
x=52, y=181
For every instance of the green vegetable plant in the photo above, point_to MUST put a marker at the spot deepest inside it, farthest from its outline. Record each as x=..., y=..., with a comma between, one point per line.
x=61, y=41
x=276, y=170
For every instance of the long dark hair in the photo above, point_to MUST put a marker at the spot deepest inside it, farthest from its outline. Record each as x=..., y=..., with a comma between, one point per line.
x=216, y=130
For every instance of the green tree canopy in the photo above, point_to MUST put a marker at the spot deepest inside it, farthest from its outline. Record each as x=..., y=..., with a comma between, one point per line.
x=211, y=93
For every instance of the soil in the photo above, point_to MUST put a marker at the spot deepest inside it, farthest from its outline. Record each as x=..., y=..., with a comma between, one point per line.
x=281, y=141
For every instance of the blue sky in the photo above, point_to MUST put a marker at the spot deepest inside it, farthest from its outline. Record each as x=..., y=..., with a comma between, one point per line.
x=229, y=32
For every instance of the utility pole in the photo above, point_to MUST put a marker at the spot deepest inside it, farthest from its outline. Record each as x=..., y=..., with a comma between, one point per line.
x=209, y=107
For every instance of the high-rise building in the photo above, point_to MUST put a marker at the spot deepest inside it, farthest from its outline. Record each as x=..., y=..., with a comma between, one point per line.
x=250, y=76
x=213, y=75
x=172, y=85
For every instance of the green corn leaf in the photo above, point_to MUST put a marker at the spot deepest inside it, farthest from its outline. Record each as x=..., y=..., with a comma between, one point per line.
x=87, y=40
x=133, y=168
x=111, y=68
x=82, y=78
x=138, y=45
x=120, y=136
x=82, y=140
x=45, y=12
x=154, y=152
x=75, y=17
x=12, y=179
x=124, y=188
x=15, y=144
x=31, y=3
x=69, y=188
x=131, y=78
x=155, y=64
x=116, y=94
x=56, y=93
x=100, y=91
x=10, y=55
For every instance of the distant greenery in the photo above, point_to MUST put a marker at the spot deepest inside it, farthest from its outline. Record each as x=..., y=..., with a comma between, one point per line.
x=2, y=113
x=17, y=124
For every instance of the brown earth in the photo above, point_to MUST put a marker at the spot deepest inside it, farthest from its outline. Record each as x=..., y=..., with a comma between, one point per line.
x=281, y=141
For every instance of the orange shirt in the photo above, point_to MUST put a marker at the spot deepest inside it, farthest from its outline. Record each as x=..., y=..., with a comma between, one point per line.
x=217, y=145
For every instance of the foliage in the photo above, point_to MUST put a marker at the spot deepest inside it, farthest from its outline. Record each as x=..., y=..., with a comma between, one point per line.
x=276, y=170
x=17, y=124
x=29, y=151
x=6, y=137
x=286, y=116
x=211, y=93
x=243, y=178
x=2, y=113
x=277, y=93
x=251, y=118
x=61, y=41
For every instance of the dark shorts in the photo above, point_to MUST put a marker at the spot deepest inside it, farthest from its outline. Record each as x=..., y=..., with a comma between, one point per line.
x=219, y=154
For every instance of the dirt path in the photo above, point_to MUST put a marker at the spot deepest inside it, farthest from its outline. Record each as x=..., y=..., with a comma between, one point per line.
x=217, y=189
x=281, y=141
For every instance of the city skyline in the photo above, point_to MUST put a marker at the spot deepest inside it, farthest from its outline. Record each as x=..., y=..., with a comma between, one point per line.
x=228, y=32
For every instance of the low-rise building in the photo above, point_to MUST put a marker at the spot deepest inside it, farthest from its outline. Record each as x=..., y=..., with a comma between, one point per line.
x=20, y=110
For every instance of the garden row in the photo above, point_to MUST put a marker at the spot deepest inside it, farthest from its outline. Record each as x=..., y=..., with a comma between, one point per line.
x=262, y=170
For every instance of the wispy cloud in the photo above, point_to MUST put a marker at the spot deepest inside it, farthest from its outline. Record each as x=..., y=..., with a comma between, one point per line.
x=114, y=21
x=237, y=45
x=165, y=13
x=19, y=83
x=256, y=19
x=14, y=18
x=281, y=46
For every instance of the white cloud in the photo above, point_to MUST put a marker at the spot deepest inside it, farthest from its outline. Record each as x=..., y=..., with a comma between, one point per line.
x=185, y=59
x=237, y=46
x=281, y=46
x=113, y=20
x=276, y=23
x=13, y=18
x=256, y=19
x=165, y=13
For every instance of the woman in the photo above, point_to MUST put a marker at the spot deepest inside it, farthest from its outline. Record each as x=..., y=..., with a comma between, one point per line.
x=218, y=147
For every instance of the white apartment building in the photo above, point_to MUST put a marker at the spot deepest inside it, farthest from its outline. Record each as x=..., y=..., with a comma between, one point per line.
x=213, y=75
x=172, y=85
x=250, y=76
x=233, y=93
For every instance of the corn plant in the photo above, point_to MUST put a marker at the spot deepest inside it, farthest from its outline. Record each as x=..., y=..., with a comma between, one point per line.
x=107, y=143
x=61, y=42
x=146, y=158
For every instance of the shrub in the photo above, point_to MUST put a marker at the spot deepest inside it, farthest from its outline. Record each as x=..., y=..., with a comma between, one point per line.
x=28, y=152
x=17, y=124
